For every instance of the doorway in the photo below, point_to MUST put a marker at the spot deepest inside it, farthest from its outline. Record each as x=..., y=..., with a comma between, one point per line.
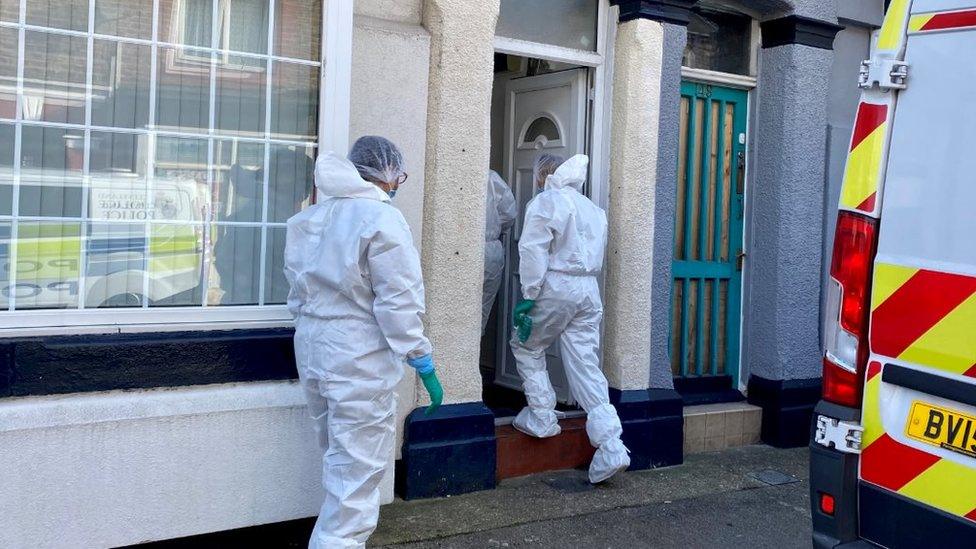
x=538, y=107
x=708, y=254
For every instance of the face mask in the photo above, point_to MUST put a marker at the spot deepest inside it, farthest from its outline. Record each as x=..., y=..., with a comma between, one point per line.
x=391, y=194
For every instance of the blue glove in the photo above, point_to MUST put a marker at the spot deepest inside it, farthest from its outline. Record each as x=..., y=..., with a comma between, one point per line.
x=423, y=364
x=425, y=367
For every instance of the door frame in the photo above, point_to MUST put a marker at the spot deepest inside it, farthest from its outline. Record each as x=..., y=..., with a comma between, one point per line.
x=597, y=138
x=597, y=134
x=747, y=84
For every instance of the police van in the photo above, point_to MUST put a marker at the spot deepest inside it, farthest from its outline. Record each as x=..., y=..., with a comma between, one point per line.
x=893, y=452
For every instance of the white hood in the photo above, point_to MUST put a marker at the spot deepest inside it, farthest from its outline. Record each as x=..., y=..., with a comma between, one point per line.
x=571, y=173
x=336, y=177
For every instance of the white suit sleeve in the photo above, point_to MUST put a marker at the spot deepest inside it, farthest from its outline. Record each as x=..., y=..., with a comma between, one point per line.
x=398, y=285
x=507, y=210
x=538, y=231
x=294, y=301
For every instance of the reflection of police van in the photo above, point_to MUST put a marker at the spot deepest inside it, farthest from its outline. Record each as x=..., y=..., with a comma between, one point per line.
x=118, y=255
x=893, y=456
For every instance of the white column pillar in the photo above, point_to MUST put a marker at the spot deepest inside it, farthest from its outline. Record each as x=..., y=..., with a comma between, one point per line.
x=633, y=172
x=458, y=144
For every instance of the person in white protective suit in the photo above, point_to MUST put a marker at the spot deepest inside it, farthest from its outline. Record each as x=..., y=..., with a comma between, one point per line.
x=561, y=251
x=500, y=212
x=358, y=300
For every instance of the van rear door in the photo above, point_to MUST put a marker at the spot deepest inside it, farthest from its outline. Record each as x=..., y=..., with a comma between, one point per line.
x=918, y=461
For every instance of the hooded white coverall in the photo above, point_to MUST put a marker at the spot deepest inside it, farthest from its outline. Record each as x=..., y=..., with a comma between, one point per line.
x=500, y=212
x=357, y=297
x=561, y=251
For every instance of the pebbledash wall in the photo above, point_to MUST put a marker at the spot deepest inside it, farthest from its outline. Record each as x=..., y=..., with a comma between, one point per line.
x=117, y=433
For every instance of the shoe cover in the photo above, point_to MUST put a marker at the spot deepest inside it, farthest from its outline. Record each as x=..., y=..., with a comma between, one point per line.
x=610, y=459
x=537, y=423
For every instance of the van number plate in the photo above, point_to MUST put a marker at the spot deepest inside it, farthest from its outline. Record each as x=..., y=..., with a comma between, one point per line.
x=942, y=427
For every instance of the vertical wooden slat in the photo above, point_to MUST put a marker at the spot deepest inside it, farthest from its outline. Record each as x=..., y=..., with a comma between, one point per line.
x=718, y=325
x=727, y=173
x=676, y=324
x=707, y=360
x=710, y=184
x=684, y=326
x=691, y=325
x=723, y=315
x=679, y=221
x=721, y=164
x=705, y=152
x=700, y=325
x=693, y=209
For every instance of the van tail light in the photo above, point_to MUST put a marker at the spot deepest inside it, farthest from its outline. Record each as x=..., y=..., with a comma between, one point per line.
x=848, y=307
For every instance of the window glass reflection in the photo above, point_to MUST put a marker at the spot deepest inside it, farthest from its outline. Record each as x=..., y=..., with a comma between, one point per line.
x=237, y=264
x=240, y=95
x=187, y=22
x=7, y=136
x=175, y=265
x=275, y=283
x=54, y=77
x=115, y=265
x=289, y=181
x=183, y=89
x=118, y=183
x=243, y=25
x=297, y=29
x=129, y=18
x=294, y=101
x=8, y=72
x=61, y=14
x=47, y=265
x=51, y=164
x=120, y=84
x=238, y=181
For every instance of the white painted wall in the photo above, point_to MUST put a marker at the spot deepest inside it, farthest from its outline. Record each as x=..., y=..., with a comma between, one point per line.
x=116, y=468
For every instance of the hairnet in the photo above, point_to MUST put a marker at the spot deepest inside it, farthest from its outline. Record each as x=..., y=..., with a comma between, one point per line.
x=377, y=159
x=545, y=165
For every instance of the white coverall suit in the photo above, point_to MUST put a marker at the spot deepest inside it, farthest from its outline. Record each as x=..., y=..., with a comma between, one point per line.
x=357, y=297
x=500, y=212
x=561, y=251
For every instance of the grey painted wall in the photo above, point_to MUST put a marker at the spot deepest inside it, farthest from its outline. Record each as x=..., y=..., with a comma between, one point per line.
x=784, y=219
x=665, y=197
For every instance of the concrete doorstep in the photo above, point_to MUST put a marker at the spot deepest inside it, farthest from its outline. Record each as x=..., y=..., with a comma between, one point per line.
x=733, y=487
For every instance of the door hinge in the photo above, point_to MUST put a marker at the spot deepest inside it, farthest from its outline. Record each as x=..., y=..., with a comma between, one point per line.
x=843, y=436
x=740, y=258
x=887, y=74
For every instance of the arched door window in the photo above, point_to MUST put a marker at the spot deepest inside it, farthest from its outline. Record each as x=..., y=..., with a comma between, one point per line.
x=542, y=131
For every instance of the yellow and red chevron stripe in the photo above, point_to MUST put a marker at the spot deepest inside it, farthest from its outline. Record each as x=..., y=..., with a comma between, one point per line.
x=913, y=473
x=924, y=317
x=892, y=33
x=862, y=174
x=942, y=21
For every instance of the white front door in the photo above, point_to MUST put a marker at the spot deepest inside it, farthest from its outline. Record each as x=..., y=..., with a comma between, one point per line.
x=543, y=114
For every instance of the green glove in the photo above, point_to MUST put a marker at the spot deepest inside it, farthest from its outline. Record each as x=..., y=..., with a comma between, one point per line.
x=525, y=328
x=524, y=306
x=434, y=389
x=522, y=321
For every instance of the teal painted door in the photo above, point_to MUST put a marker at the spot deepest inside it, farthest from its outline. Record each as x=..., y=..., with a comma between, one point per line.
x=707, y=266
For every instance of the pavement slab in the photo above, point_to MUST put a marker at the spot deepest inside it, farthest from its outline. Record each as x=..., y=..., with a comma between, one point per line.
x=720, y=499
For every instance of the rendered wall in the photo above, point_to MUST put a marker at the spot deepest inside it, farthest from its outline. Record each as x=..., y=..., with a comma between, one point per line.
x=665, y=202
x=458, y=143
x=784, y=218
x=638, y=58
x=117, y=468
